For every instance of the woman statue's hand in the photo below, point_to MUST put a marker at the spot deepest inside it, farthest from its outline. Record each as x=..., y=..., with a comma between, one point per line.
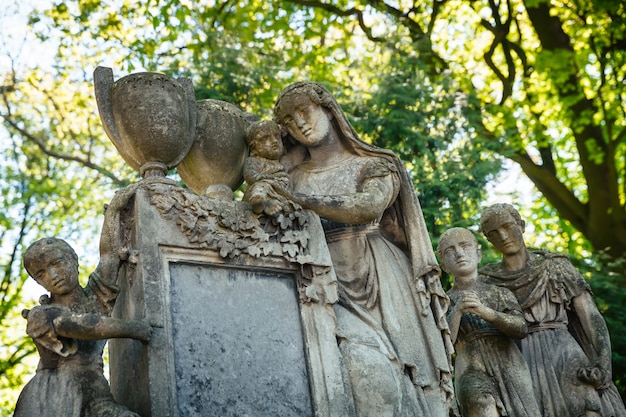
x=283, y=188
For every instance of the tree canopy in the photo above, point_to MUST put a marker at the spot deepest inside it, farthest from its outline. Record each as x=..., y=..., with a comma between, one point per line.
x=454, y=87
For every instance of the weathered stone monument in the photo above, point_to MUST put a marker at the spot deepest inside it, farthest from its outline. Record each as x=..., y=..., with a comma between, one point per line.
x=250, y=316
x=241, y=305
x=317, y=295
x=326, y=301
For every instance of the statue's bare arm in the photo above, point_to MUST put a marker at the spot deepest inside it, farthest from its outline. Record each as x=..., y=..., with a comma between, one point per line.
x=355, y=208
x=96, y=327
x=595, y=329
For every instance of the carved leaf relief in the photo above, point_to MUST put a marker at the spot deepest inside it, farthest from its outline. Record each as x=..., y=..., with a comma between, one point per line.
x=231, y=227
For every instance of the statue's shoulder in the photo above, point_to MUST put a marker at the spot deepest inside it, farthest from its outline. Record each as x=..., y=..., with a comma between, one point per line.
x=498, y=297
x=546, y=258
x=377, y=166
x=489, y=271
x=543, y=254
x=558, y=268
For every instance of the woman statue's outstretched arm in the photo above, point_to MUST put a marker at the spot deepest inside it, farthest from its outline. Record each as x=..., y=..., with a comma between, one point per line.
x=355, y=208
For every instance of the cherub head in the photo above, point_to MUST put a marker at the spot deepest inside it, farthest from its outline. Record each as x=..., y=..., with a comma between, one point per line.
x=264, y=139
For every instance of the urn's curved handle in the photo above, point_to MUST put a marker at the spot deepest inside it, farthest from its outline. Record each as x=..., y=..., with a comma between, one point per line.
x=103, y=88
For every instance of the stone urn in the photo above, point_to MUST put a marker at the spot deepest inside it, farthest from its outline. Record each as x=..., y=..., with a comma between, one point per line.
x=149, y=117
x=214, y=164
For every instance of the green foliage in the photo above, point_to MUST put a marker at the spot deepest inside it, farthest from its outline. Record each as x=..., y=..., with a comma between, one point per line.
x=41, y=197
x=452, y=87
x=52, y=160
x=428, y=123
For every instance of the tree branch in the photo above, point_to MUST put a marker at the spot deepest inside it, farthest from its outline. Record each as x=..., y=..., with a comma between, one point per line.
x=500, y=31
x=547, y=159
x=554, y=190
x=23, y=230
x=82, y=161
x=21, y=351
x=416, y=32
x=353, y=11
x=605, y=225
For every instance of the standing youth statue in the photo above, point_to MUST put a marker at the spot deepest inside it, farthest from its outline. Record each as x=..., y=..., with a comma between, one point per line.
x=568, y=347
x=391, y=324
x=491, y=377
x=71, y=326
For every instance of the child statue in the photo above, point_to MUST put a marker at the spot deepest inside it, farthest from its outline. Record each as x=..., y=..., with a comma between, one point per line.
x=491, y=376
x=70, y=329
x=262, y=168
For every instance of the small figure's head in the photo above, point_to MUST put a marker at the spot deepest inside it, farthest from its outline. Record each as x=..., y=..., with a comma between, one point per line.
x=305, y=109
x=459, y=252
x=503, y=226
x=53, y=264
x=263, y=138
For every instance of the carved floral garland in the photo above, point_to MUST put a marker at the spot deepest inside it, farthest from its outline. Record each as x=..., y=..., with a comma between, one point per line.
x=231, y=227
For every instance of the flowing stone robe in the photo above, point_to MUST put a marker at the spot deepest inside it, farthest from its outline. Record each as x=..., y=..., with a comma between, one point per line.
x=544, y=289
x=488, y=362
x=391, y=325
x=389, y=332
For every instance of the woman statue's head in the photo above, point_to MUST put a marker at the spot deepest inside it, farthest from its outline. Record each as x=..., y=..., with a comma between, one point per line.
x=313, y=95
x=304, y=110
x=316, y=92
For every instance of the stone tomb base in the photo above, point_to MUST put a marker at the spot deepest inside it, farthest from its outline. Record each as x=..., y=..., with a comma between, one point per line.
x=241, y=311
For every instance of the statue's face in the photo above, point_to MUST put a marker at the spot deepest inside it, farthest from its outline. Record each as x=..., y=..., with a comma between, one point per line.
x=460, y=255
x=306, y=121
x=58, y=275
x=505, y=234
x=267, y=145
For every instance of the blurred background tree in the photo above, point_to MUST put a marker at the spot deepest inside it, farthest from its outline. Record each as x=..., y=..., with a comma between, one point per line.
x=459, y=89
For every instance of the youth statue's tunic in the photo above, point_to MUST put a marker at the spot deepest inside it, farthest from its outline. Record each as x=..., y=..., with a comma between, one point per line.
x=544, y=289
x=488, y=362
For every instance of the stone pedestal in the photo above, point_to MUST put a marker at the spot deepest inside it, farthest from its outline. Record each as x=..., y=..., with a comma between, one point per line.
x=241, y=309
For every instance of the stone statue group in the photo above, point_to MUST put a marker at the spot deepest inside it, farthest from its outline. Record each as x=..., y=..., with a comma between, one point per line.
x=522, y=337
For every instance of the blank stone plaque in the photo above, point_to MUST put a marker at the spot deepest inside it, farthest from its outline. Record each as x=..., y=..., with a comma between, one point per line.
x=238, y=347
